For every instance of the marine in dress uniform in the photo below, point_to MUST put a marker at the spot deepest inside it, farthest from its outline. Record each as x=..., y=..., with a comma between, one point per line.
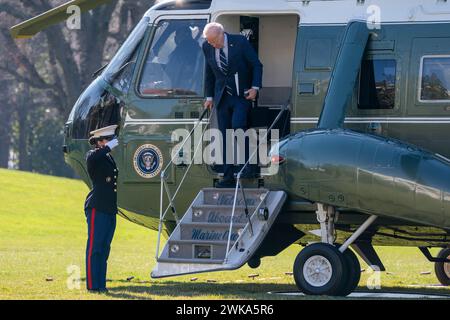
x=233, y=78
x=100, y=206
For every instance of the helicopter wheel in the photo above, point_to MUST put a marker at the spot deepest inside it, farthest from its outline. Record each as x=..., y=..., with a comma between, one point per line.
x=442, y=269
x=353, y=269
x=319, y=269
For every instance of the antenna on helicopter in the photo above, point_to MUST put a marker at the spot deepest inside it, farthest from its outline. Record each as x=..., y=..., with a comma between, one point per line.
x=56, y=15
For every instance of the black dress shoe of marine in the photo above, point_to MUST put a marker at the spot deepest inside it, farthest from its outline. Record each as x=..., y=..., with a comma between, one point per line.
x=226, y=184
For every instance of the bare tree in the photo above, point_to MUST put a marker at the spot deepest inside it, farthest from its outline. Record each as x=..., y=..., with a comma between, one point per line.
x=57, y=64
x=6, y=117
x=73, y=55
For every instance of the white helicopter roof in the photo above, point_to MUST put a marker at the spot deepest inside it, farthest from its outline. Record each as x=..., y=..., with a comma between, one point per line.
x=326, y=11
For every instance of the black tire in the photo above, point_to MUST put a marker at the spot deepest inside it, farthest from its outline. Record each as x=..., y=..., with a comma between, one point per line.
x=353, y=269
x=254, y=263
x=332, y=257
x=442, y=269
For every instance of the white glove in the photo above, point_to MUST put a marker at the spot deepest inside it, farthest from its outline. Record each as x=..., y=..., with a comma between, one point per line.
x=112, y=144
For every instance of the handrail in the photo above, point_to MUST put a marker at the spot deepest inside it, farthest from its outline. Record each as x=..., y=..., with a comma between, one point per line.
x=246, y=210
x=239, y=185
x=251, y=217
x=165, y=187
x=172, y=205
x=199, y=121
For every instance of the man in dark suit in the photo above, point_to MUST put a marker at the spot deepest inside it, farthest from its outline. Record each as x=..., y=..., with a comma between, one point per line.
x=233, y=78
x=100, y=206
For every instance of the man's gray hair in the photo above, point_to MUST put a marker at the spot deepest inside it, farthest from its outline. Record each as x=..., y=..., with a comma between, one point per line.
x=213, y=27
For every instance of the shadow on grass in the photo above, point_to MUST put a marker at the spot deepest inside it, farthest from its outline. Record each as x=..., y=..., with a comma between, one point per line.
x=436, y=289
x=247, y=291
x=173, y=290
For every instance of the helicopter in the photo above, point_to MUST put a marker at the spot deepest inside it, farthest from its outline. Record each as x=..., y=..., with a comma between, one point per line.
x=359, y=92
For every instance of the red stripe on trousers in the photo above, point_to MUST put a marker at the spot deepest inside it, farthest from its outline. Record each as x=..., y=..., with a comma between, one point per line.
x=91, y=244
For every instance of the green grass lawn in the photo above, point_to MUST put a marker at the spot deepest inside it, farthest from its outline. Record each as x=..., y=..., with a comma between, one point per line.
x=43, y=233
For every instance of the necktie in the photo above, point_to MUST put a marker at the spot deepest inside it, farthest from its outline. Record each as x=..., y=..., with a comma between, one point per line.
x=224, y=67
x=223, y=61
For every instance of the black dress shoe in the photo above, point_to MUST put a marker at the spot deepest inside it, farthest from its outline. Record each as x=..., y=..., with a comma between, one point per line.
x=226, y=184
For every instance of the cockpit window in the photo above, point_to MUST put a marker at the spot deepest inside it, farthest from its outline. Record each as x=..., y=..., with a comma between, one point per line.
x=435, y=79
x=126, y=51
x=175, y=63
x=96, y=108
x=122, y=81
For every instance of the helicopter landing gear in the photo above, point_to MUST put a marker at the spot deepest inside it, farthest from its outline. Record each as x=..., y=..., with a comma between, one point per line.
x=442, y=269
x=353, y=273
x=326, y=268
x=327, y=217
x=319, y=269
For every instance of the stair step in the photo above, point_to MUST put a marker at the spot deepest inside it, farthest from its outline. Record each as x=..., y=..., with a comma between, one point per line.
x=187, y=249
x=199, y=243
x=224, y=242
x=220, y=214
x=191, y=261
x=209, y=231
x=222, y=197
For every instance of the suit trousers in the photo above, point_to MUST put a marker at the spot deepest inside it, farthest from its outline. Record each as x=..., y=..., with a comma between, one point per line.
x=101, y=228
x=233, y=113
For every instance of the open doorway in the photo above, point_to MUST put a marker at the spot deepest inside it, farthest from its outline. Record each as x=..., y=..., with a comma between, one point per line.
x=274, y=39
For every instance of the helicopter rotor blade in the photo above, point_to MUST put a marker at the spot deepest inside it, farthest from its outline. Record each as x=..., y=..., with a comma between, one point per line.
x=56, y=15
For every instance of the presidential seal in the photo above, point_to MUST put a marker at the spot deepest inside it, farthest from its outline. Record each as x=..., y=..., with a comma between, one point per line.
x=148, y=161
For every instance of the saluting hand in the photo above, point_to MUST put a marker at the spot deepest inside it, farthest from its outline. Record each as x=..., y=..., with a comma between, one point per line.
x=113, y=143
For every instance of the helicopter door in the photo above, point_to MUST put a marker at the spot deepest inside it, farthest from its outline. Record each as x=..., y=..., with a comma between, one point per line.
x=168, y=95
x=273, y=37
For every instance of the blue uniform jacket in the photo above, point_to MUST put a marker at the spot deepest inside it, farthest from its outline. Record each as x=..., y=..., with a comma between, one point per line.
x=242, y=59
x=103, y=172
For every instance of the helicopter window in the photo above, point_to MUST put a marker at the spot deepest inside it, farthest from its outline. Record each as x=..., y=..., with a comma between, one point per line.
x=435, y=79
x=377, y=84
x=96, y=108
x=122, y=81
x=126, y=51
x=175, y=64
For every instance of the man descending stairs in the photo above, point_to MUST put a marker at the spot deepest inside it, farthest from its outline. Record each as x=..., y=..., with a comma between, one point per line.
x=221, y=230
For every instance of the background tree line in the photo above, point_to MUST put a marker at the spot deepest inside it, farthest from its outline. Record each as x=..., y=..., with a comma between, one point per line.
x=41, y=78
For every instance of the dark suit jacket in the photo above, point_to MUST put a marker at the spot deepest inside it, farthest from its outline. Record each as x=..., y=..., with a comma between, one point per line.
x=242, y=58
x=103, y=172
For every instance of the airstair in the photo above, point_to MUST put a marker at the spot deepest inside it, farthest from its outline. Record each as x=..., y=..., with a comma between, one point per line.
x=221, y=229
x=212, y=236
